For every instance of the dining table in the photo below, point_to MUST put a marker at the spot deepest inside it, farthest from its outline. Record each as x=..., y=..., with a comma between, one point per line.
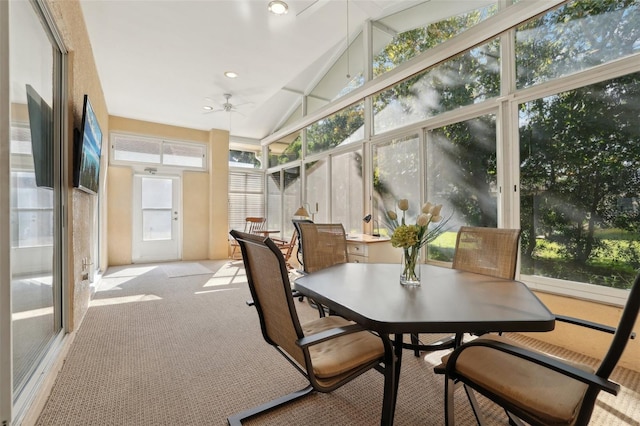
x=446, y=301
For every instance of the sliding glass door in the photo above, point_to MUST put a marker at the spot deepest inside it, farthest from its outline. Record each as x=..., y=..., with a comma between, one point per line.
x=35, y=194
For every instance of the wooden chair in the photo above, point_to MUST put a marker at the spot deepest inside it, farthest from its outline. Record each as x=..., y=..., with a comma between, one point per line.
x=532, y=386
x=329, y=351
x=251, y=225
x=487, y=251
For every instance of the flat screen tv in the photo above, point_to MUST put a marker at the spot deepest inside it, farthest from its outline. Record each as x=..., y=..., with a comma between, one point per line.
x=88, y=150
x=41, y=127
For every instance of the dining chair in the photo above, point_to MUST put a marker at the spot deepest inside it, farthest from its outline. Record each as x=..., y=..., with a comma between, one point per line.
x=487, y=251
x=296, y=225
x=534, y=387
x=323, y=245
x=252, y=224
x=329, y=351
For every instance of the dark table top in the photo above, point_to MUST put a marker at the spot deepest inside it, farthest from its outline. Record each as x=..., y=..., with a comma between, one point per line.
x=447, y=301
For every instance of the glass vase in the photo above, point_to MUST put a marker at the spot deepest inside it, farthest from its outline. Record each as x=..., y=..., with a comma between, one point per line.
x=410, y=273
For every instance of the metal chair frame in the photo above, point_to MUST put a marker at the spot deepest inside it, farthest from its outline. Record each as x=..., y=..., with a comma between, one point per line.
x=597, y=382
x=263, y=260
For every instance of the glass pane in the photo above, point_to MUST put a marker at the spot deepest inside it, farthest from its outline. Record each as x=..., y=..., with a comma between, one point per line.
x=347, y=190
x=580, y=184
x=156, y=225
x=462, y=176
x=343, y=127
x=345, y=75
x=292, y=192
x=249, y=159
x=415, y=30
x=396, y=175
x=286, y=149
x=575, y=37
x=467, y=79
x=186, y=155
x=35, y=289
x=317, y=187
x=136, y=149
x=274, y=213
x=157, y=193
x=246, y=198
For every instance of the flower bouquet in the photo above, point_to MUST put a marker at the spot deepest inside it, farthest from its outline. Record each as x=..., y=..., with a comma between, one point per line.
x=411, y=238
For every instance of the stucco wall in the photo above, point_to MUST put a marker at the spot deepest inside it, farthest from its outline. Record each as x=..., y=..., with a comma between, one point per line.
x=589, y=342
x=204, y=195
x=83, y=79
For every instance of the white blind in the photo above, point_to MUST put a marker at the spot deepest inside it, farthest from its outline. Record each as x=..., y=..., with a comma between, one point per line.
x=140, y=149
x=246, y=197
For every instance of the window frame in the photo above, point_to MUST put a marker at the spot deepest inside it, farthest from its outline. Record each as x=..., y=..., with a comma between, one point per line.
x=113, y=137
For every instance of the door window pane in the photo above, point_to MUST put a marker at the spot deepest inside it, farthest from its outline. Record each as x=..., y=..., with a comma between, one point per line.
x=156, y=225
x=157, y=203
x=580, y=184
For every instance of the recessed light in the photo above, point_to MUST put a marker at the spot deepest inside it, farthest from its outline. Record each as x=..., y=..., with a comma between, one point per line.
x=278, y=7
x=230, y=74
x=207, y=108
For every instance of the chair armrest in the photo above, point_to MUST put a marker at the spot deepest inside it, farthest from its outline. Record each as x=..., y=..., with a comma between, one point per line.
x=589, y=324
x=325, y=335
x=537, y=358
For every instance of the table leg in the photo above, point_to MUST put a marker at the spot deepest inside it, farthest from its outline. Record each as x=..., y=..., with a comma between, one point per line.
x=397, y=343
x=391, y=383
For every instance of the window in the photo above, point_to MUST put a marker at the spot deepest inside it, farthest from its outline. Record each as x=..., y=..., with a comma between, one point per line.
x=580, y=183
x=467, y=79
x=575, y=37
x=347, y=186
x=317, y=178
x=552, y=104
x=249, y=159
x=462, y=176
x=246, y=197
x=286, y=150
x=343, y=127
x=396, y=175
x=421, y=28
x=145, y=150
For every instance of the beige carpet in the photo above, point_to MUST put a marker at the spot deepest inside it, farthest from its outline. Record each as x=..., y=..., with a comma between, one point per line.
x=154, y=350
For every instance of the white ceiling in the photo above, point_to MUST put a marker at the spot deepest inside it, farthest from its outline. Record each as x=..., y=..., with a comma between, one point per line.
x=159, y=61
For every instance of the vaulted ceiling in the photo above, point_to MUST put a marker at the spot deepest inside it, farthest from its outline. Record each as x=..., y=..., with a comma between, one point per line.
x=164, y=61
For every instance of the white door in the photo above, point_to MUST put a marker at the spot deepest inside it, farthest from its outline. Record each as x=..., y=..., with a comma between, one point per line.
x=156, y=218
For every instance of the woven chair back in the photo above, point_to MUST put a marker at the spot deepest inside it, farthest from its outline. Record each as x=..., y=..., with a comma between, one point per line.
x=323, y=245
x=271, y=293
x=488, y=251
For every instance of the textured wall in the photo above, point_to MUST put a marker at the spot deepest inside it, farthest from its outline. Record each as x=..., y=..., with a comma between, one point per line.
x=83, y=80
x=195, y=216
x=588, y=342
x=204, y=195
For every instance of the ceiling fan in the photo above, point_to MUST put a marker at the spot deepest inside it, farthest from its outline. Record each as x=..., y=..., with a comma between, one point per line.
x=226, y=106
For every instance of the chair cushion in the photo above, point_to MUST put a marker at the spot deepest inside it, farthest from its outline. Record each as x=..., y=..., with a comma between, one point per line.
x=548, y=395
x=342, y=354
